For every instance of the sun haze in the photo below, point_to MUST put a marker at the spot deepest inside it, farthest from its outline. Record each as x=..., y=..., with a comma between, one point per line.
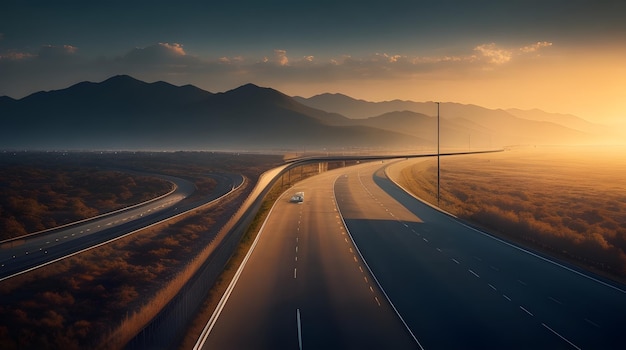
x=560, y=56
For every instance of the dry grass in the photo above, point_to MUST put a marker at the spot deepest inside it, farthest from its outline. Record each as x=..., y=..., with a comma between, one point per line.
x=568, y=202
x=34, y=198
x=111, y=292
x=102, y=297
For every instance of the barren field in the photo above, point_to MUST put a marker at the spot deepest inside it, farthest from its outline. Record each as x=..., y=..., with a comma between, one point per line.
x=102, y=297
x=568, y=202
x=39, y=191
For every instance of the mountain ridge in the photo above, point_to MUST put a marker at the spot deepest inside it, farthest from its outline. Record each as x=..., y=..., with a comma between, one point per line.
x=123, y=112
x=511, y=126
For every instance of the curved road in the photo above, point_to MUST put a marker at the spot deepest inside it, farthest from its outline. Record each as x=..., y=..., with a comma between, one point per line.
x=454, y=286
x=21, y=255
x=304, y=285
x=458, y=287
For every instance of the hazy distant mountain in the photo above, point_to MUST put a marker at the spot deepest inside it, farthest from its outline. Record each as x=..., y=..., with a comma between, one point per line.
x=360, y=109
x=462, y=125
x=568, y=120
x=125, y=113
x=454, y=134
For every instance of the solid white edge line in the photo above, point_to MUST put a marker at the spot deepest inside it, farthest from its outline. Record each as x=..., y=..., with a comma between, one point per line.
x=220, y=306
x=502, y=241
x=118, y=237
x=370, y=270
x=526, y=311
x=84, y=222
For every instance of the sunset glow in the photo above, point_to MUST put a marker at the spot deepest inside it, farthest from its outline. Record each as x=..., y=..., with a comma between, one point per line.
x=563, y=57
x=463, y=164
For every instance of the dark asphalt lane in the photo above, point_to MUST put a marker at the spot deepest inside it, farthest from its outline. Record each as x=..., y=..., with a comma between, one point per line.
x=37, y=250
x=459, y=288
x=305, y=286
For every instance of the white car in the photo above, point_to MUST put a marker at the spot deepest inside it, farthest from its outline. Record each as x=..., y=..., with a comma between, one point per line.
x=297, y=198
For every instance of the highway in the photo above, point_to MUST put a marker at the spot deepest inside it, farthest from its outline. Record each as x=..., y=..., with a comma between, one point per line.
x=458, y=287
x=306, y=285
x=33, y=251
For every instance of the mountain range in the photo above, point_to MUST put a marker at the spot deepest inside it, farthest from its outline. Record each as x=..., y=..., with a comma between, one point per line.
x=125, y=113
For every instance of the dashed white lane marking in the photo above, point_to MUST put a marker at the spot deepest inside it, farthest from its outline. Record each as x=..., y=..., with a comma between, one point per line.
x=295, y=272
x=555, y=300
x=492, y=287
x=526, y=311
x=473, y=273
x=505, y=297
x=456, y=261
x=592, y=323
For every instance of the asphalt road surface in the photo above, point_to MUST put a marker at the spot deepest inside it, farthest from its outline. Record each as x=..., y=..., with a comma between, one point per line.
x=21, y=255
x=305, y=287
x=457, y=287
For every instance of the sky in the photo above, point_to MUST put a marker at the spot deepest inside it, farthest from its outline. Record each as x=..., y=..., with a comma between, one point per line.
x=564, y=56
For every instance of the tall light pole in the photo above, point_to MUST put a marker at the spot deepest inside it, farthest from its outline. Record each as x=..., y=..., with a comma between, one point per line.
x=438, y=163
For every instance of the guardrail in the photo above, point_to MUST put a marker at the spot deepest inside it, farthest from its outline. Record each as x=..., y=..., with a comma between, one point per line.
x=166, y=329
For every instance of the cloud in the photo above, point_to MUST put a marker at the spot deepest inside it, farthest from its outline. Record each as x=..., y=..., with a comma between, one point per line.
x=494, y=54
x=161, y=53
x=170, y=62
x=45, y=53
x=280, y=57
x=16, y=55
x=535, y=47
x=57, y=52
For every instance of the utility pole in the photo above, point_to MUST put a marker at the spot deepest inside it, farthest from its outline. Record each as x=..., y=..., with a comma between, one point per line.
x=438, y=156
